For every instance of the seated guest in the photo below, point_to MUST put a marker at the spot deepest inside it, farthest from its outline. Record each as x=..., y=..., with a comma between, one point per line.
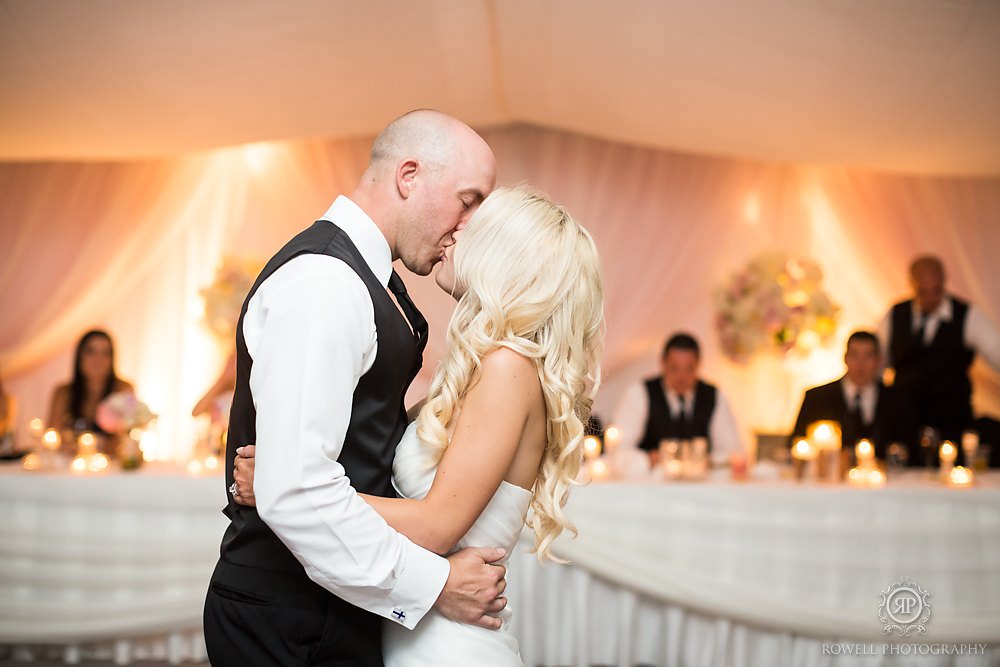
x=931, y=341
x=74, y=405
x=864, y=407
x=8, y=418
x=677, y=405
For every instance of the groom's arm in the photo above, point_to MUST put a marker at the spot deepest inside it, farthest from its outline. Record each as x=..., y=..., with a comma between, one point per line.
x=310, y=331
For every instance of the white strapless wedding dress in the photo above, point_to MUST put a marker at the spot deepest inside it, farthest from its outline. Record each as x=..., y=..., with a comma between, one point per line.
x=437, y=641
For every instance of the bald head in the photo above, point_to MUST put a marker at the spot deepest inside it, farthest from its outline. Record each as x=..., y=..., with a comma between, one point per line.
x=927, y=280
x=428, y=171
x=429, y=136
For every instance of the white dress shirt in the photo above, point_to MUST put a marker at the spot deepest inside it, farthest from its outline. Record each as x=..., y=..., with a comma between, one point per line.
x=869, y=398
x=310, y=330
x=633, y=410
x=980, y=334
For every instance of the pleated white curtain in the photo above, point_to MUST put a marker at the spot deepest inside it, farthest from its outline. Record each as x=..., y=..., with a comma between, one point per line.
x=127, y=246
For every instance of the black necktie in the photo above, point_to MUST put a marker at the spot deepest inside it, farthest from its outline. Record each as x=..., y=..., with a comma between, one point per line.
x=921, y=329
x=682, y=419
x=855, y=421
x=416, y=320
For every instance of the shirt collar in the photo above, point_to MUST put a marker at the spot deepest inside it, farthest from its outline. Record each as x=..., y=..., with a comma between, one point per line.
x=364, y=234
x=850, y=389
x=941, y=313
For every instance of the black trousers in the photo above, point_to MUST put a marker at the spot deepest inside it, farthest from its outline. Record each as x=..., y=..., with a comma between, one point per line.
x=262, y=618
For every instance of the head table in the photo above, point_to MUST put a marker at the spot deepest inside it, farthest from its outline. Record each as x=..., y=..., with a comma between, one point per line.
x=116, y=565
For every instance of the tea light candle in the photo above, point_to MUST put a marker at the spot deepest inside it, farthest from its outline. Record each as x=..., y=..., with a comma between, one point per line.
x=960, y=476
x=79, y=465
x=86, y=444
x=32, y=461
x=36, y=427
x=51, y=439
x=865, y=453
x=97, y=463
x=612, y=438
x=194, y=467
x=876, y=478
x=211, y=462
x=947, y=455
x=803, y=450
x=591, y=448
x=599, y=471
x=826, y=435
x=673, y=468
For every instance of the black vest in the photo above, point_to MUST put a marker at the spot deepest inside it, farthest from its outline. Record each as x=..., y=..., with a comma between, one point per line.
x=660, y=424
x=934, y=378
x=378, y=417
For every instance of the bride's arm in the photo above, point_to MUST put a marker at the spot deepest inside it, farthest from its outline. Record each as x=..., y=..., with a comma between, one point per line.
x=487, y=433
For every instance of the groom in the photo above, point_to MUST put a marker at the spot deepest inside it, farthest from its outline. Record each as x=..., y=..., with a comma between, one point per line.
x=324, y=357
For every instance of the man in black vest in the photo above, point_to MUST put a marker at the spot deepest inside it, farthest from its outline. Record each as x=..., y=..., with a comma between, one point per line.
x=864, y=407
x=324, y=356
x=931, y=341
x=677, y=405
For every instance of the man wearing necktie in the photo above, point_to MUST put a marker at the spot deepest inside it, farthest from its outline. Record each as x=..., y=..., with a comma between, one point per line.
x=327, y=343
x=678, y=405
x=864, y=407
x=931, y=341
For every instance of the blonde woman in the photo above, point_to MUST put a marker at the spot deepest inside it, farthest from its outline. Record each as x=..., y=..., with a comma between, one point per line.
x=501, y=430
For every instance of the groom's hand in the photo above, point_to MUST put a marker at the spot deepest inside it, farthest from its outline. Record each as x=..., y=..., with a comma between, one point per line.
x=474, y=588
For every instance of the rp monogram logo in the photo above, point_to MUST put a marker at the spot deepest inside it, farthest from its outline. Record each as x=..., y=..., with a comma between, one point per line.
x=904, y=608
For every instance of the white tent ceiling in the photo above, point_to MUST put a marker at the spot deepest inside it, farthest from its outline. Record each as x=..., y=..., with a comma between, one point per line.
x=908, y=85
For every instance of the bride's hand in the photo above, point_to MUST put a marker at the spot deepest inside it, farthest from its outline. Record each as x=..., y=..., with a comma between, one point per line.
x=243, y=476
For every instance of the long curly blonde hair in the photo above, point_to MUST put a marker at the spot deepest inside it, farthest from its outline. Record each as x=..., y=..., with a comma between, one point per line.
x=533, y=283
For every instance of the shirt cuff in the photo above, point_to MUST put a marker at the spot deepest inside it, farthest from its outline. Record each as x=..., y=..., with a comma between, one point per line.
x=417, y=587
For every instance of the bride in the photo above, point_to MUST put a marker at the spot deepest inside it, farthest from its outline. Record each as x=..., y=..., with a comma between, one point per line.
x=501, y=430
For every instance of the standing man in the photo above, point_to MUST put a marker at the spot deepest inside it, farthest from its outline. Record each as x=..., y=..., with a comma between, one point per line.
x=677, y=405
x=864, y=407
x=931, y=341
x=324, y=357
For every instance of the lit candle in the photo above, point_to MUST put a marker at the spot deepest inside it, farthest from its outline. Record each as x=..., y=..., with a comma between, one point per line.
x=79, y=465
x=865, y=453
x=947, y=455
x=97, y=463
x=876, y=478
x=51, y=439
x=612, y=438
x=194, y=467
x=591, y=448
x=856, y=477
x=803, y=450
x=32, y=461
x=804, y=455
x=86, y=444
x=36, y=427
x=960, y=476
x=599, y=471
x=211, y=463
x=673, y=468
x=826, y=435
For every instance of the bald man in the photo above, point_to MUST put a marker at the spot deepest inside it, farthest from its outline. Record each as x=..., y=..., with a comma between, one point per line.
x=324, y=356
x=931, y=341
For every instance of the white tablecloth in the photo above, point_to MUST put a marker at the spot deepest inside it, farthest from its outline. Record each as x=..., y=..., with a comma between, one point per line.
x=112, y=566
x=684, y=574
x=735, y=574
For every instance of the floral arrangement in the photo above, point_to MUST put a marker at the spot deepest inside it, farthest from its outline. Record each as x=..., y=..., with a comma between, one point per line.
x=224, y=297
x=775, y=304
x=121, y=412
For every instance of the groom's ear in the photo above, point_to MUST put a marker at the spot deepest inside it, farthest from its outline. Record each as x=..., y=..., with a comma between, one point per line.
x=406, y=176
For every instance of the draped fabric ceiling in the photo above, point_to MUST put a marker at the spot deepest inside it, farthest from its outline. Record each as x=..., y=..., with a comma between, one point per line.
x=855, y=135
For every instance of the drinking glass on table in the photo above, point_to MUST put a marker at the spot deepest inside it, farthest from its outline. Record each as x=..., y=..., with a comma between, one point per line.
x=896, y=458
x=929, y=441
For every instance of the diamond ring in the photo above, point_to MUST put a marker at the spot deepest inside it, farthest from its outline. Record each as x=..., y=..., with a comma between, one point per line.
x=233, y=490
